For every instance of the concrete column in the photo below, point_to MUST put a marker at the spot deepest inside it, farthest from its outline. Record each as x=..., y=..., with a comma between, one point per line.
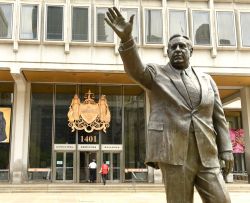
x=245, y=106
x=19, y=141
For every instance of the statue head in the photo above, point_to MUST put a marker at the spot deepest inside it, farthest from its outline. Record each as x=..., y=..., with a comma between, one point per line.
x=179, y=51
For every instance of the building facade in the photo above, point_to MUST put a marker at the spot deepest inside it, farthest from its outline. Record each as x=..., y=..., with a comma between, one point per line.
x=51, y=50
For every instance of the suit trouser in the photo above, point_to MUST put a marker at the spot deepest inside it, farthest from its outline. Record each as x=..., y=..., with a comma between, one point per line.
x=180, y=180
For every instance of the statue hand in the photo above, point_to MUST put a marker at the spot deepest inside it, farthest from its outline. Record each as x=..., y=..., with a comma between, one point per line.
x=117, y=22
x=228, y=158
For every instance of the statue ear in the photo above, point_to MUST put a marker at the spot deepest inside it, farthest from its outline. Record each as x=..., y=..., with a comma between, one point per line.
x=191, y=51
x=168, y=52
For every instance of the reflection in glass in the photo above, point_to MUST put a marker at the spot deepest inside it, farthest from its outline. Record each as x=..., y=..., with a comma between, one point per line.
x=114, y=99
x=226, y=28
x=134, y=128
x=104, y=31
x=177, y=22
x=116, y=166
x=64, y=95
x=80, y=24
x=153, y=25
x=41, y=126
x=6, y=93
x=127, y=12
x=59, y=166
x=69, y=166
x=29, y=19
x=201, y=28
x=6, y=21
x=54, y=29
x=245, y=28
x=6, y=97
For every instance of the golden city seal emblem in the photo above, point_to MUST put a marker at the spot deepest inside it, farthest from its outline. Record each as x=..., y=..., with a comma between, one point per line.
x=89, y=115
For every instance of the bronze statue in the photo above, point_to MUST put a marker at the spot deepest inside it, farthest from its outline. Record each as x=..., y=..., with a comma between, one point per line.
x=187, y=129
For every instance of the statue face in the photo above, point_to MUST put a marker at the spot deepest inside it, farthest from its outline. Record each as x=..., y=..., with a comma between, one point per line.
x=179, y=53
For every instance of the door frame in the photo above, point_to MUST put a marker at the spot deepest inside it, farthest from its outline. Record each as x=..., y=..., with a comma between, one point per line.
x=111, y=165
x=64, y=166
x=97, y=152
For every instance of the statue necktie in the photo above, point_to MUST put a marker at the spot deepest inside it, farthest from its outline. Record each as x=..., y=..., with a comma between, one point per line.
x=192, y=90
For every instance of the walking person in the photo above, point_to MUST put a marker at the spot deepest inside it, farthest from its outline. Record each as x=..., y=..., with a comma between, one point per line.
x=92, y=171
x=104, y=172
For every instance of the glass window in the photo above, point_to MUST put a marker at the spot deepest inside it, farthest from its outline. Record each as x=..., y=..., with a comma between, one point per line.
x=127, y=12
x=226, y=28
x=6, y=98
x=80, y=24
x=177, y=22
x=54, y=29
x=64, y=96
x=40, y=144
x=134, y=129
x=201, y=27
x=104, y=31
x=245, y=28
x=153, y=26
x=6, y=93
x=29, y=22
x=6, y=13
x=114, y=100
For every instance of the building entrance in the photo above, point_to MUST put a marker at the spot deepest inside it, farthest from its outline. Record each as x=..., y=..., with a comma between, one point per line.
x=122, y=146
x=113, y=159
x=64, y=167
x=85, y=159
x=71, y=165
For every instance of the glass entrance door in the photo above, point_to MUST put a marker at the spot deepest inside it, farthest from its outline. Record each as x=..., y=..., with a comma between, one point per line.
x=113, y=159
x=64, y=166
x=84, y=160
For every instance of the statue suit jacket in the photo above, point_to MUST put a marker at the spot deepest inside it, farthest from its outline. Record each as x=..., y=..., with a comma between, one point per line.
x=171, y=114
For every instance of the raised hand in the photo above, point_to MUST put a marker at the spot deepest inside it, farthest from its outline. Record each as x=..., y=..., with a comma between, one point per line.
x=117, y=22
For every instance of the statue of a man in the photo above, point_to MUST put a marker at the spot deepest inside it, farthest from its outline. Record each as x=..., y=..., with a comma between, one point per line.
x=187, y=129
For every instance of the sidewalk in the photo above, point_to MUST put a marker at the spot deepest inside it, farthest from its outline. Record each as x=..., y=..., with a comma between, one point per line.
x=133, y=197
x=97, y=193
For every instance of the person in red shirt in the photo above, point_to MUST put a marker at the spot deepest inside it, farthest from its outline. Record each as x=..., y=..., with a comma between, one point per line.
x=104, y=172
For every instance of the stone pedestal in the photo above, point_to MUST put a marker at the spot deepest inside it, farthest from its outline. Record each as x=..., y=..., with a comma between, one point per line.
x=157, y=176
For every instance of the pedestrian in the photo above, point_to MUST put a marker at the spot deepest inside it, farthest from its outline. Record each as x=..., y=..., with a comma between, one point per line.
x=104, y=172
x=187, y=129
x=92, y=171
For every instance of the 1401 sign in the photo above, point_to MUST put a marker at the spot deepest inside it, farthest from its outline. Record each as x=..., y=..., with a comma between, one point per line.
x=88, y=139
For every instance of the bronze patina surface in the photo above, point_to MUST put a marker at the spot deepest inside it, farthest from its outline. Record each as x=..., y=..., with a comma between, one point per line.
x=187, y=129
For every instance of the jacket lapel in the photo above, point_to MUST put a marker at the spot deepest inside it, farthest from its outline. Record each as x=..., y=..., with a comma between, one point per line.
x=179, y=85
x=203, y=84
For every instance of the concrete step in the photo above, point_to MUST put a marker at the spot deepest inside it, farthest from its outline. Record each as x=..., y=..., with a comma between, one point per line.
x=54, y=188
x=89, y=188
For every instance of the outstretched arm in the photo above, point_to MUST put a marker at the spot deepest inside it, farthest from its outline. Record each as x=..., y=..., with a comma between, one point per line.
x=128, y=51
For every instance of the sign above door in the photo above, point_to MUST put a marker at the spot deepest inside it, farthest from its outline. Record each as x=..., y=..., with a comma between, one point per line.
x=89, y=115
